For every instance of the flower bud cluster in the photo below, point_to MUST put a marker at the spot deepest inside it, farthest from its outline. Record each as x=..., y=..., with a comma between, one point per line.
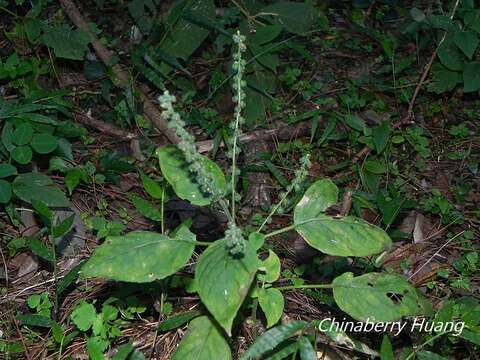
x=187, y=145
x=300, y=175
x=235, y=241
x=233, y=235
x=239, y=96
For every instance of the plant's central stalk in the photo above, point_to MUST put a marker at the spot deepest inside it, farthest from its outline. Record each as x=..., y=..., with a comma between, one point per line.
x=239, y=97
x=234, y=237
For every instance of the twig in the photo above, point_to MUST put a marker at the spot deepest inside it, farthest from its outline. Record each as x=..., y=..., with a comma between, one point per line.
x=436, y=253
x=25, y=349
x=122, y=78
x=411, y=104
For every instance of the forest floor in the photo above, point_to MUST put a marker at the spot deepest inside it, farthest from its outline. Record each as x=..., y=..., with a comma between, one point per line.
x=423, y=186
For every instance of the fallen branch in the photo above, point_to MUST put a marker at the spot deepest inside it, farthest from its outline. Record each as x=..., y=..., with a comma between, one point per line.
x=284, y=132
x=122, y=78
x=105, y=128
x=112, y=131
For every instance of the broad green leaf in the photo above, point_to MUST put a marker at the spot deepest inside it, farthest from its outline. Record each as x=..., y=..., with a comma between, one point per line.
x=449, y=55
x=96, y=345
x=153, y=188
x=61, y=229
x=428, y=355
x=44, y=143
x=265, y=56
x=375, y=166
x=22, y=154
x=73, y=177
x=184, y=36
x=472, y=20
x=378, y=297
x=270, y=268
x=348, y=236
x=146, y=208
x=175, y=170
x=287, y=348
x=140, y=256
x=319, y=197
x=386, y=350
x=443, y=79
x=40, y=249
x=224, y=281
x=43, y=210
x=467, y=41
x=296, y=17
x=307, y=352
x=354, y=122
x=5, y=192
x=472, y=336
x=271, y=301
x=69, y=278
x=203, y=341
x=84, y=315
x=168, y=59
x=264, y=34
x=417, y=14
x=471, y=76
x=124, y=352
x=23, y=134
x=142, y=11
x=7, y=170
x=39, y=118
x=256, y=240
x=271, y=338
x=380, y=134
x=35, y=320
x=66, y=43
x=205, y=22
x=33, y=28
x=35, y=186
x=389, y=208
x=441, y=22
x=7, y=133
x=175, y=321
x=343, y=339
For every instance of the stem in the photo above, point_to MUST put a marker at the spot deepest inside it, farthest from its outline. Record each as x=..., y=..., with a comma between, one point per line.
x=280, y=231
x=254, y=310
x=224, y=206
x=203, y=243
x=162, y=211
x=55, y=278
x=274, y=210
x=313, y=286
x=424, y=344
x=9, y=12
